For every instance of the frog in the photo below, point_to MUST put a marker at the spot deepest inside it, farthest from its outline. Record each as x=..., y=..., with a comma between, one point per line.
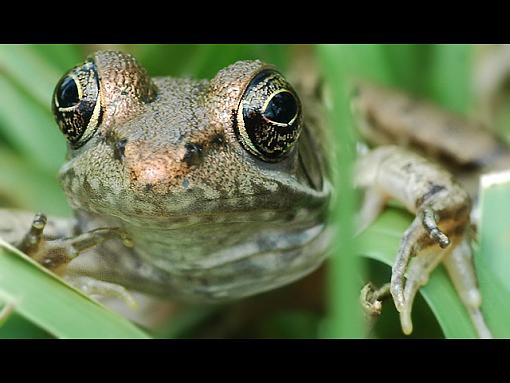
x=211, y=191
x=199, y=190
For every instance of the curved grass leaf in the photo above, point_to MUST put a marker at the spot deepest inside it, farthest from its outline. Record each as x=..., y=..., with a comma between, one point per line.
x=52, y=305
x=492, y=258
x=24, y=65
x=28, y=187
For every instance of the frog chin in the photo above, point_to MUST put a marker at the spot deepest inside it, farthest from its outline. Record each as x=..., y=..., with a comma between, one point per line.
x=267, y=262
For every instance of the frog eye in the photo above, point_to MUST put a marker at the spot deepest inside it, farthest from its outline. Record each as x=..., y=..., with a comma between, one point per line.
x=76, y=104
x=268, y=120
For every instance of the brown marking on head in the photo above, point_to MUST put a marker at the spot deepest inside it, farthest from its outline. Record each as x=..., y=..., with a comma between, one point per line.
x=159, y=169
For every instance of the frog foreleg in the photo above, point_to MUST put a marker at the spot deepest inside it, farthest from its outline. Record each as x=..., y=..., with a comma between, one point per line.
x=55, y=249
x=34, y=237
x=55, y=254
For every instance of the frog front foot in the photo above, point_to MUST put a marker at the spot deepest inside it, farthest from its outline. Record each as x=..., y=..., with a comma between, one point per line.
x=56, y=253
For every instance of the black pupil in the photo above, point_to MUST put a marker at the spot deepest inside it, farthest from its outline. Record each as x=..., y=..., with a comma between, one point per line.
x=68, y=93
x=282, y=108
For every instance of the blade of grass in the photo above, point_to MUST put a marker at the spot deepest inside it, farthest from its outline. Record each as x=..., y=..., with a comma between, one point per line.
x=30, y=127
x=62, y=56
x=449, y=76
x=30, y=188
x=492, y=259
x=408, y=63
x=341, y=64
x=17, y=327
x=52, y=305
x=24, y=65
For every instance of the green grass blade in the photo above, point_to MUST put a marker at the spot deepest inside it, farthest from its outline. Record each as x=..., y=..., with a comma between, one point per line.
x=30, y=127
x=407, y=64
x=25, y=66
x=52, y=305
x=492, y=258
x=449, y=76
x=345, y=317
x=28, y=187
x=17, y=327
x=62, y=56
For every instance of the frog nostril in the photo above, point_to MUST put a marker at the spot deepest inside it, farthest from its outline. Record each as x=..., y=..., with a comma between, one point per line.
x=194, y=154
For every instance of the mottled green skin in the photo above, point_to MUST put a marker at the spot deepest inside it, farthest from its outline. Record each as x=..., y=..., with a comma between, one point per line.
x=213, y=223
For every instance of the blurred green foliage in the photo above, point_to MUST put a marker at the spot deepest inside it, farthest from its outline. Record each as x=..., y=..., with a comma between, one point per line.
x=32, y=149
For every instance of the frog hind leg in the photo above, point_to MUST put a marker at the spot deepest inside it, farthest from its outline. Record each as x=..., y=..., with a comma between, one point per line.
x=459, y=264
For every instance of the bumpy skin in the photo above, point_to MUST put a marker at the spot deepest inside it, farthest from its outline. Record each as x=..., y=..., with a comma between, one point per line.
x=201, y=218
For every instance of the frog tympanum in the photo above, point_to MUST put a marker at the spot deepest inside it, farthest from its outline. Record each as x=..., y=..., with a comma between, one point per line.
x=214, y=190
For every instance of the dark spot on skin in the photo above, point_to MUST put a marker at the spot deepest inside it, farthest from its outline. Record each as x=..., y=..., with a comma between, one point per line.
x=148, y=187
x=86, y=186
x=234, y=119
x=118, y=149
x=407, y=166
x=371, y=119
x=459, y=231
x=194, y=154
x=433, y=189
x=218, y=139
x=458, y=214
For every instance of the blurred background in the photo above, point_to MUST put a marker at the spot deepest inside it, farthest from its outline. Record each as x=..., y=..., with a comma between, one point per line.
x=469, y=79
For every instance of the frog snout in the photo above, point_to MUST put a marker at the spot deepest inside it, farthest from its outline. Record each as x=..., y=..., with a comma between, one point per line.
x=156, y=170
